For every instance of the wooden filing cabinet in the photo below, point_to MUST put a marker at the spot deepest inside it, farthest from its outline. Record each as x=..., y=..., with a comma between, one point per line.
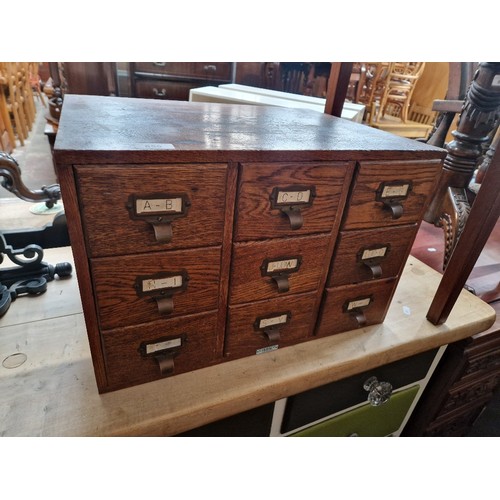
x=174, y=80
x=206, y=232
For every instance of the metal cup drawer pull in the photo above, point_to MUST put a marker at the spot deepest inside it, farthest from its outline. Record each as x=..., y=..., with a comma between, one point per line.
x=290, y=200
x=279, y=270
x=270, y=325
x=356, y=308
x=372, y=257
x=378, y=392
x=161, y=287
x=391, y=194
x=159, y=210
x=163, y=351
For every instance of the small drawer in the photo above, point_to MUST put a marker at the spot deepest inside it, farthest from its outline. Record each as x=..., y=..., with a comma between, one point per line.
x=320, y=402
x=288, y=199
x=366, y=421
x=141, y=288
x=350, y=307
x=204, y=70
x=390, y=193
x=265, y=326
x=142, y=353
x=274, y=268
x=134, y=208
x=370, y=254
x=163, y=89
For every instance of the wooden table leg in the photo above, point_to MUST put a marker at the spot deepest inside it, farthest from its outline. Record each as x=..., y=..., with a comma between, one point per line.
x=480, y=223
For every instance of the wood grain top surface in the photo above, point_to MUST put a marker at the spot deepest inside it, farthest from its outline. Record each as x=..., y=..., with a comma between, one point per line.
x=94, y=128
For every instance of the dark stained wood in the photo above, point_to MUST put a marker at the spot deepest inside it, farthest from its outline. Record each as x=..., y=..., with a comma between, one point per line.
x=365, y=211
x=228, y=159
x=115, y=277
x=338, y=83
x=204, y=70
x=242, y=339
x=174, y=80
x=332, y=317
x=225, y=266
x=347, y=267
x=247, y=282
x=127, y=366
x=75, y=230
x=108, y=226
x=128, y=130
x=256, y=219
x=480, y=223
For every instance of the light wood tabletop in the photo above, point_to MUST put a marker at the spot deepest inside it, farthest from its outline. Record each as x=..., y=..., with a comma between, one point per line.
x=53, y=392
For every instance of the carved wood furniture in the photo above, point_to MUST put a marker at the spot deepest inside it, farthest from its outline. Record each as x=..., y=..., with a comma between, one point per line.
x=204, y=233
x=167, y=80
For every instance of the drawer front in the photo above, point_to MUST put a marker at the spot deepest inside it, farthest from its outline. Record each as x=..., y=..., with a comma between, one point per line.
x=265, y=326
x=371, y=254
x=205, y=70
x=353, y=306
x=274, y=268
x=120, y=217
x=366, y=421
x=162, y=89
x=318, y=403
x=155, y=350
x=287, y=199
x=390, y=193
x=136, y=289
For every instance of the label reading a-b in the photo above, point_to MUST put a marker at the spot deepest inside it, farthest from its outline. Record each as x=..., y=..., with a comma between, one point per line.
x=158, y=205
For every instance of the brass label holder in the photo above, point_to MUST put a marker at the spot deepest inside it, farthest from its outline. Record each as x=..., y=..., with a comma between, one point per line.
x=270, y=325
x=356, y=307
x=159, y=210
x=161, y=287
x=391, y=194
x=372, y=257
x=290, y=200
x=163, y=351
x=279, y=270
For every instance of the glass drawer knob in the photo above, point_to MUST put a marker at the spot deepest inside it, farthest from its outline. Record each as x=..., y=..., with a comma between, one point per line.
x=378, y=392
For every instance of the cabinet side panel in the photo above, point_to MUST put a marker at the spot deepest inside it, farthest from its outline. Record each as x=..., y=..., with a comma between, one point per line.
x=69, y=195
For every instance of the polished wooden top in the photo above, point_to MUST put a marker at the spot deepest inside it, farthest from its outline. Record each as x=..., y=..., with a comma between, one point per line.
x=128, y=130
x=53, y=393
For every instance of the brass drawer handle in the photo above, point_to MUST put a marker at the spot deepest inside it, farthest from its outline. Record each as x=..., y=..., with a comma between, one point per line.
x=210, y=68
x=356, y=308
x=279, y=270
x=391, y=194
x=159, y=210
x=378, y=392
x=166, y=363
x=159, y=93
x=163, y=351
x=290, y=200
x=372, y=257
x=160, y=64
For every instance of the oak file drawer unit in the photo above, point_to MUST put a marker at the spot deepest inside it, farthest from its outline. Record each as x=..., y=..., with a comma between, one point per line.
x=204, y=233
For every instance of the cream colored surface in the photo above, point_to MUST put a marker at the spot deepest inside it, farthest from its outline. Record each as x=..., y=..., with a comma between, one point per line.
x=54, y=392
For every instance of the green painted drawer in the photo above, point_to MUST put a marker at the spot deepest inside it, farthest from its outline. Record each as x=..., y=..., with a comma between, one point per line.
x=367, y=420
